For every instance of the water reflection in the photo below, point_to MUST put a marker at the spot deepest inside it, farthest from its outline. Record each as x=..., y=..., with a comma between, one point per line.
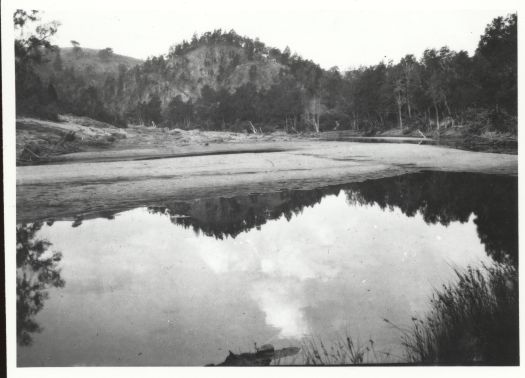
x=228, y=217
x=267, y=268
x=441, y=197
x=37, y=271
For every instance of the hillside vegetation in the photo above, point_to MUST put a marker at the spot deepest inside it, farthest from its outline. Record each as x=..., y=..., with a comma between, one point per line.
x=220, y=80
x=93, y=65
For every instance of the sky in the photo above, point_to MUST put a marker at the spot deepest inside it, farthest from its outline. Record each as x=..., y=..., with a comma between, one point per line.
x=344, y=38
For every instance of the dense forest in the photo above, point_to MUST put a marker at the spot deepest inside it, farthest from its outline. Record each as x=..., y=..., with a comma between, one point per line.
x=220, y=80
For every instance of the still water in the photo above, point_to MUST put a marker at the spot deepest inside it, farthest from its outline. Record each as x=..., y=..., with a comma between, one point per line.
x=184, y=283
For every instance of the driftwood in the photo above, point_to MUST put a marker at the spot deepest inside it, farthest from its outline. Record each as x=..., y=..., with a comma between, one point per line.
x=31, y=153
x=68, y=137
x=27, y=154
x=420, y=133
x=254, y=130
x=262, y=357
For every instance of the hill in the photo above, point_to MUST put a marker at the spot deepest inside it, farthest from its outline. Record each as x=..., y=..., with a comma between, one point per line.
x=225, y=76
x=97, y=61
x=221, y=80
x=90, y=64
x=219, y=67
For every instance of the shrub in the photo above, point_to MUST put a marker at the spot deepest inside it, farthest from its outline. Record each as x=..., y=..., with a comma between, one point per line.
x=334, y=119
x=481, y=120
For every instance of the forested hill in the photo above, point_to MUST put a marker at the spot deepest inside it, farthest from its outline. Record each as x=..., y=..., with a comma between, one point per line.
x=221, y=80
x=92, y=61
x=91, y=65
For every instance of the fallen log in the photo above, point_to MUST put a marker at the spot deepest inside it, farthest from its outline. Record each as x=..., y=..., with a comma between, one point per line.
x=262, y=357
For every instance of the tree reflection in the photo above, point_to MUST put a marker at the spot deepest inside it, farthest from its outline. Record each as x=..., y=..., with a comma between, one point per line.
x=445, y=197
x=36, y=271
x=440, y=197
x=223, y=217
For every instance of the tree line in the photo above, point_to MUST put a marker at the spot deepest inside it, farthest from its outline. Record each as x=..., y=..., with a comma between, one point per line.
x=442, y=88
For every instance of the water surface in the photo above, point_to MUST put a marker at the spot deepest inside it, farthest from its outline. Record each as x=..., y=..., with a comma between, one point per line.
x=469, y=143
x=184, y=283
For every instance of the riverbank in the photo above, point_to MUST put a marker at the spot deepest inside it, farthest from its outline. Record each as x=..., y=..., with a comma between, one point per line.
x=81, y=139
x=453, y=137
x=81, y=167
x=58, y=191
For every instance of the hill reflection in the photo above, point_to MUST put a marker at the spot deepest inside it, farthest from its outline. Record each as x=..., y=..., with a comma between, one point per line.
x=440, y=197
x=228, y=217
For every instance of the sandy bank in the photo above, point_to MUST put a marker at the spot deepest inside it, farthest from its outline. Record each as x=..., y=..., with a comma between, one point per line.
x=76, y=139
x=68, y=190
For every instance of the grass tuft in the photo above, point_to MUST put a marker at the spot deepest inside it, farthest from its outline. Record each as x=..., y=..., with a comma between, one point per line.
x=344, y=351
x=473, y=321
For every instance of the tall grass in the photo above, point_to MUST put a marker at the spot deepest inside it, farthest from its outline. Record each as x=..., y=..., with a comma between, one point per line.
x=341, y=352
x=344, y=351
x=473, y=321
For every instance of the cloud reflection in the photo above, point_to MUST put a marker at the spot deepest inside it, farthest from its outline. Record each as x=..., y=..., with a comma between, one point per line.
x=336, y=266
x=339, y=246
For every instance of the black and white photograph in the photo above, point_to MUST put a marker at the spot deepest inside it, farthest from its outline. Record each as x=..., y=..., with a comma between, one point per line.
x=282, y=184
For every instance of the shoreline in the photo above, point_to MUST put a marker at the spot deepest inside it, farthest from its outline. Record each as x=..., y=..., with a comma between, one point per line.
x=64, y=191
x=80, y=139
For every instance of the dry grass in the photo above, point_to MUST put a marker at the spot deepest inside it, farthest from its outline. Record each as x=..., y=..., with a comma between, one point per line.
x=344, y=351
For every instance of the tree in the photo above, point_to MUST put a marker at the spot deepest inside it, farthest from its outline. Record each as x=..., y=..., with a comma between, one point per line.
x=497, y=59
x=179, y=112
x=30, y=53
x=252, y=73
x=105, y=54
x=249, y=48
x=245, y=102
x=331, y=86
x=22, y=17
x=437, y=69
x=397, y=82
x=151, y=111
x=122, y=71
x=52, y=93
x=57, y=63
x=410, y=71
x=77, y=50
x=31, y=49
x=285, y=56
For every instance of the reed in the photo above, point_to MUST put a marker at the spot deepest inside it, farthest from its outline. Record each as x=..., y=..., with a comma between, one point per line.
x=472, y=321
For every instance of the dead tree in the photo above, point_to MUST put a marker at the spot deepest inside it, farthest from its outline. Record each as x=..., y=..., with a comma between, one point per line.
x=254, y=130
